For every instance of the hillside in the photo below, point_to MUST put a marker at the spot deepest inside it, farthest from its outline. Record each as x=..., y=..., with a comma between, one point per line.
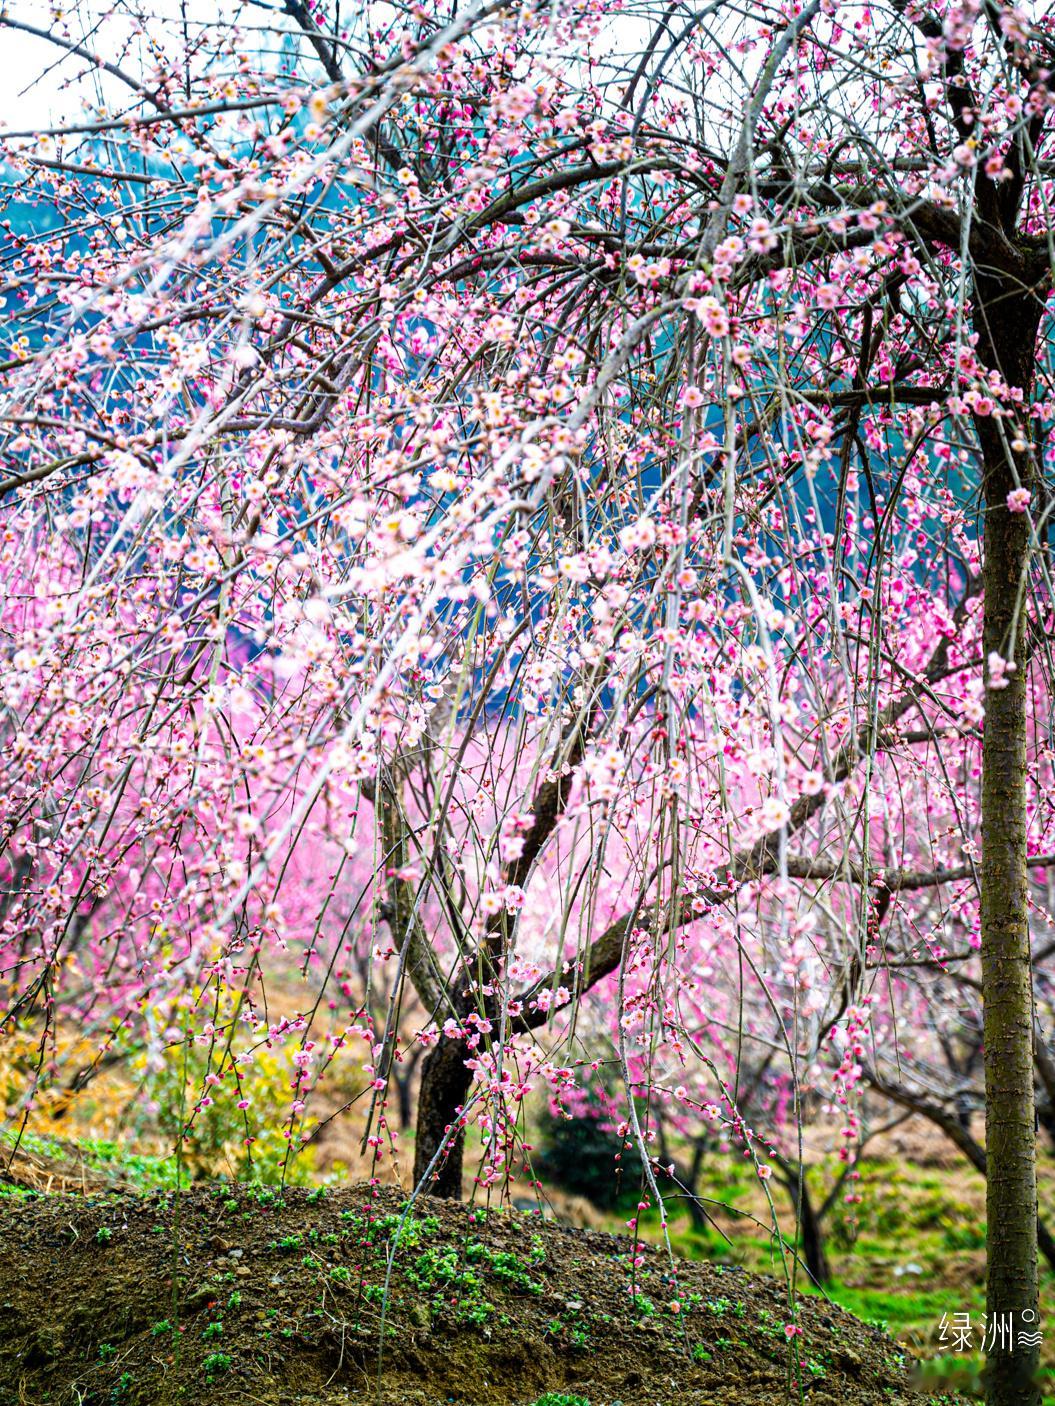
x=239, y=1294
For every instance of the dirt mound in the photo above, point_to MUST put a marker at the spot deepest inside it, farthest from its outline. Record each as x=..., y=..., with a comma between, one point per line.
x=244, y=1295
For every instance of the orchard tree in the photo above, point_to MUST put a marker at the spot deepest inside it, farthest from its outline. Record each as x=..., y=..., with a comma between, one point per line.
x=581, y=465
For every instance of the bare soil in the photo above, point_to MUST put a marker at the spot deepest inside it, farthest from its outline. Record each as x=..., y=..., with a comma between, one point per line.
x=230, y=1295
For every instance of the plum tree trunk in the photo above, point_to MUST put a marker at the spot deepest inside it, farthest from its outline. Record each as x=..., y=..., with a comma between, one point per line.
x=1006, y=319
x=811, y=1235
x=445, y=1083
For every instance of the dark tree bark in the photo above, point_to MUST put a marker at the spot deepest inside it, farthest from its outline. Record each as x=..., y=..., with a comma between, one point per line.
x=691, y=1180
x=1007, y=311
x=812, y=1236
x=445, y=1083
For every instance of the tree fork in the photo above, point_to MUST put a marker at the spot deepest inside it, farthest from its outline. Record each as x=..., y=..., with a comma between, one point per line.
x=445, y=1081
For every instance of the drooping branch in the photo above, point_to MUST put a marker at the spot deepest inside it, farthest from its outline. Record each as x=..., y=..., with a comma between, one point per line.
x=758, y=860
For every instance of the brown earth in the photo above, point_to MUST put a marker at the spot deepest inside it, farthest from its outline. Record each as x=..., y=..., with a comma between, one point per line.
x=244, y=1295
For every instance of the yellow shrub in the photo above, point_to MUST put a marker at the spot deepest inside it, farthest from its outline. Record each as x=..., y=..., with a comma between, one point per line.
x=222, y=1139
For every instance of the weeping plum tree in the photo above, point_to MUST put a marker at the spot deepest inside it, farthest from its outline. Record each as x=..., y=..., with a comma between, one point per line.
x=512, y=498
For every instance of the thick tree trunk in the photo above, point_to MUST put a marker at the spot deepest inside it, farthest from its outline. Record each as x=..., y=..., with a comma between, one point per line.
x=812, y=1239
x=1007, y=321
x=691, y=1181
x=404, y=1072
x=445, y=1083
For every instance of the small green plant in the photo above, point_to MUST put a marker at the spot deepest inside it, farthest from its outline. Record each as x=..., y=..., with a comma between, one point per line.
x=475, y=1313
x=104, y=1235
x=644, y=1306
x=212, y=1330
x=106, y=1351
x=768, y=1325
x=119, y=1391
x=700, y=1353
x=561, y=1398
x=161, y=1327
x=503, y=1266
x=215, y=1363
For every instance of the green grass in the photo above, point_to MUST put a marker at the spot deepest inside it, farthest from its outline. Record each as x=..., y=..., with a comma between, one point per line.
x=103, y=1157
x=905, y=1309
